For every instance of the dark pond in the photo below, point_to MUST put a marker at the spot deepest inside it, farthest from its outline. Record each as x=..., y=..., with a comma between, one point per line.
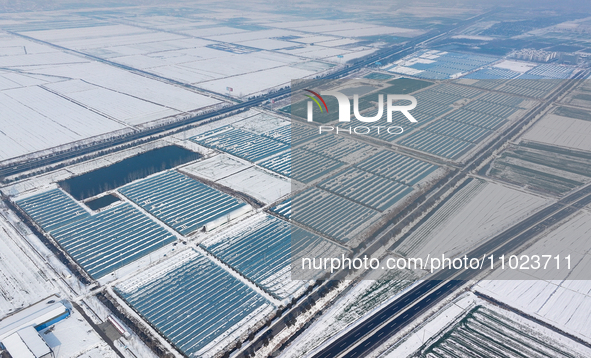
x=101, y=202
x=137, y=167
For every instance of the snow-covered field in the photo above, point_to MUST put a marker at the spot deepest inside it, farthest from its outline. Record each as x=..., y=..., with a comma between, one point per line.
x=561, y=131
x=260, y=122
x=517, y=66
x=473, y=215
x=261, y=185
x=253, y=82
x=240, y=175
x=64, y=98
x=50, y=121
x=217, y=167
x=22, y=282
x=565, y=304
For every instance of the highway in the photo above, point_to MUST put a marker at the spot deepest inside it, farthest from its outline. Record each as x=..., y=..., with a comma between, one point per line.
x=374, y=331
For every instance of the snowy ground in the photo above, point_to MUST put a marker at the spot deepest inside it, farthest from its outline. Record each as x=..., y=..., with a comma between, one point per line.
x=75, y=338
x=561, y=131
x=517, y=66
x=217, y=167
x=22, y=282
x=476, y=213
x=565, y=304
x=260, y=184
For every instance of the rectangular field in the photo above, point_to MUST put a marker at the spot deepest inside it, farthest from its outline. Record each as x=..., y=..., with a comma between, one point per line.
x=261, y=250
x=307, y=166
x=182, y=203
x=398, y=167
x=441, y=145
x=328, y=213
x=543, y=167
x=366, y=188
x=193, y=302
x=104, y=242
x=241, y=143
x=336, y=147
x=52, y=209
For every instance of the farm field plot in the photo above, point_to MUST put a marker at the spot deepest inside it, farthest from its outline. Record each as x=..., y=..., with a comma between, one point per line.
x=21, y=282
x=302, y=165
x=543, y=167
x=478, y=119
x=561, y=131
x=254, y=82
x=241, y=143
x=398, y=167
x=571, y=112
x=524, y=91
x=366, y=188
x=378, y=76
x=482, y=84
x=280, y=164
x=406, y=85
x=261, y=122
x=491, y=108
x=503, y=99
x=68, y=98
x=493, y=333
x=216, y=167
x=342, y=222
x=55, y=121
x=551, y=71
x=492, y=73
x=183, y=203
x=580, y=97
x=207, y=64
x=336, y=147
x=457, y=90
x=474, y=214
x=294, y=134
x=52, y=209
x=434, y=64
x=566, y=304
x=433, y=109
x=434, y=143
x=109, y=240
x=261, y=249
x=130, y=110
x=432, y=95
x=194, y=303
x=282, y=134
x=130, y=84
x=461, y=131
x=259, y=184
